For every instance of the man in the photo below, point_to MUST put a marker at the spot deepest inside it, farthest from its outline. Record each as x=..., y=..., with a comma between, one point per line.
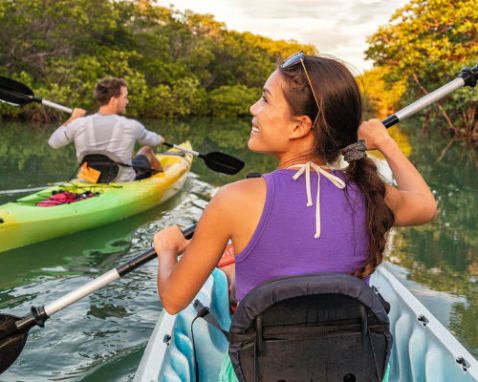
x=109, y=131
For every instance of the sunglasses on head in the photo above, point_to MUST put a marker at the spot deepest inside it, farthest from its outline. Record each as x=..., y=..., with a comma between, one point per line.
x=295, y=59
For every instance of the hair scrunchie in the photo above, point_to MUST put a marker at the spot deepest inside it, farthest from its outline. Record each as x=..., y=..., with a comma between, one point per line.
x=355, y=151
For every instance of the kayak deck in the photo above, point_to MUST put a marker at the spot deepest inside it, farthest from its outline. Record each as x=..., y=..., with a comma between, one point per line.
x=23, y=222
x=420, y=352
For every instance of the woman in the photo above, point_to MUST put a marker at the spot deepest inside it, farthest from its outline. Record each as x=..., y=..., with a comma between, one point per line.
x=309, y=114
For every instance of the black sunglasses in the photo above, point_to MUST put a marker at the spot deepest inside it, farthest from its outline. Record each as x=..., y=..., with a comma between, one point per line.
x=295, y=59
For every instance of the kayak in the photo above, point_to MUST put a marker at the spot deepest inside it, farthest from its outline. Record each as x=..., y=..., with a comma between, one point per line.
x=423, y=349
x=29, y=220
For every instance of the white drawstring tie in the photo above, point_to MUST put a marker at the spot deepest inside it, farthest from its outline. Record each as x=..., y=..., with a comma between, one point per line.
x=339, y=183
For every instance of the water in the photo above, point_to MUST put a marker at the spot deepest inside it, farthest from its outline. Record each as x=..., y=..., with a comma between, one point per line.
x=102, y=337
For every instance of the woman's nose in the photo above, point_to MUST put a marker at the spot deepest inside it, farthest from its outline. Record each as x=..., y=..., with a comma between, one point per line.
x=253, y=108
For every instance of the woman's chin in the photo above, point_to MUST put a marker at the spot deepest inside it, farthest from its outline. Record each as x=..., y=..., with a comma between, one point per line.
x=250, y=143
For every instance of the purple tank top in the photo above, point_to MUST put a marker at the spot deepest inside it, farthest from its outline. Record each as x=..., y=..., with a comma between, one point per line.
x=283, y=243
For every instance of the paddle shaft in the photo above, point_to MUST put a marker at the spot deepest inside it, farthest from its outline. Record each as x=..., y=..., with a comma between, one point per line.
x=183, y=149
x=39, y=315
x=468, y=77
x=56, y=106
x=216, y=161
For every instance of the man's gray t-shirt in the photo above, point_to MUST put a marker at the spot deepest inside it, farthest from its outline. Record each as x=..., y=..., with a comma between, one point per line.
x=105, y=132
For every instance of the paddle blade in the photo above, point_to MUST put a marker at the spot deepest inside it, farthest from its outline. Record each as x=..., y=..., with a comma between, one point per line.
x=12, y=341
x=14, y=92
x=223, y=163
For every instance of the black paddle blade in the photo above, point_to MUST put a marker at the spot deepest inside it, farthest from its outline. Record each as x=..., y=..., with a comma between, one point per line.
x=12, y=341
x=14, y=92
x=223, y=163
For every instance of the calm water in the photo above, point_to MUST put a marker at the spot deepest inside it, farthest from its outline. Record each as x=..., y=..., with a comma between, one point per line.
x=102, y=337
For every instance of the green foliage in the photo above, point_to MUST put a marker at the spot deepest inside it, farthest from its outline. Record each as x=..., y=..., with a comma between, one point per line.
x=228, y=101
x=176, y=63
x=426, y=44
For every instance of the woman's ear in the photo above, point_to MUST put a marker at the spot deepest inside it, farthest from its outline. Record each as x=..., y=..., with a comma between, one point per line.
x=302, y=127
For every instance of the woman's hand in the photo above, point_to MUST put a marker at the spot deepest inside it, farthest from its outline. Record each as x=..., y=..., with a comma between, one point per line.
x=374, y=133
x=170, y=240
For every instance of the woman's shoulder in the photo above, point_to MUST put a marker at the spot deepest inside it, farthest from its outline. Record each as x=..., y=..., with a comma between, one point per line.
x=239, y=198
x=242, y=190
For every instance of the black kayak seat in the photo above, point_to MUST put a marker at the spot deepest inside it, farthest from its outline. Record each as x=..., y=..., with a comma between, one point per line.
x=315, y=327
x=107, y=163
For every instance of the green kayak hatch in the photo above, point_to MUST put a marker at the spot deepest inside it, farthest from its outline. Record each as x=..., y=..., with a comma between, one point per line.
x=23, y=222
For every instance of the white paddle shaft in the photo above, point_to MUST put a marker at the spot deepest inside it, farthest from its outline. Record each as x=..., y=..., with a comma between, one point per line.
x=81, y=292
x=56, y=106
x=430, y=98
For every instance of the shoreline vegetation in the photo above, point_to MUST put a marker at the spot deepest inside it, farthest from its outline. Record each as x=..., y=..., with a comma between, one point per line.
x=182, y=64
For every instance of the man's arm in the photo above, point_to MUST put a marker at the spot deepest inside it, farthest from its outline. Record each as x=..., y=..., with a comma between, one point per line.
x=76, y=113
x=60, y=137
x=146, y=137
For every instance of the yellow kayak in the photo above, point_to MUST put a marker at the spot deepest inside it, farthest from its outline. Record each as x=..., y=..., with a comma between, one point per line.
x=23, y=222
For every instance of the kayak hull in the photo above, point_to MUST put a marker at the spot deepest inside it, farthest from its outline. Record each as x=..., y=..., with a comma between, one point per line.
x=420, y=352
x=23, y=223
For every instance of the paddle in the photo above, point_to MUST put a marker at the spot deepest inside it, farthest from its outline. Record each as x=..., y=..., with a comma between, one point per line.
x=15, y=93
x=468, y=77
x=14, y=330
x=216, y=161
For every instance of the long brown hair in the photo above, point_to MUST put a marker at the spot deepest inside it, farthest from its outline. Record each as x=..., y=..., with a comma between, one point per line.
x=337, y=118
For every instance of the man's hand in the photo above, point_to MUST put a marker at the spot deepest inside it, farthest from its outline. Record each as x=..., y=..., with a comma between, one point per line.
x=77, y=113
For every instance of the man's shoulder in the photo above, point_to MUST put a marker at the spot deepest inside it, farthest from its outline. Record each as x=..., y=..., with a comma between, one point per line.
x=80, y=121
x=116, y=118
x=129, y=121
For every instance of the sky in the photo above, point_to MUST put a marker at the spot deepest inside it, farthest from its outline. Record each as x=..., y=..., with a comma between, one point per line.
x=335, y=27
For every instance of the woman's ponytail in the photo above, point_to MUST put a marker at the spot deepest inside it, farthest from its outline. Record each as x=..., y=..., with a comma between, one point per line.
x=379, y=217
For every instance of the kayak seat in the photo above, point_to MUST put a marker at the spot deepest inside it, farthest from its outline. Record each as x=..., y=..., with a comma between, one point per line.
x=316, y=327
x=108, y=164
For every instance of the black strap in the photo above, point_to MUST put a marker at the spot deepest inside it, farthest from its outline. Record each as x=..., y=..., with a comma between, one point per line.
x=117, y=163
x=205, y=313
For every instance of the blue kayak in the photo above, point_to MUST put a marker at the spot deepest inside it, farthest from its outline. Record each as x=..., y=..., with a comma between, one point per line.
x=423, y=349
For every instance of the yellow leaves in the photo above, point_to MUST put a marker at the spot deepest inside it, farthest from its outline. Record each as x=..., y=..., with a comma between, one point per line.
x=380, y=95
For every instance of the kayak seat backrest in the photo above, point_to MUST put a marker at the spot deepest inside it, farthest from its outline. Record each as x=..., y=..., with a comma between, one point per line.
x=317, y=327
x=107, y=163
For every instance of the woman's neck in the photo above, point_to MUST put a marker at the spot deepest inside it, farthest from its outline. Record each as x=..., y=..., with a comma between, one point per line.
x=298, y=159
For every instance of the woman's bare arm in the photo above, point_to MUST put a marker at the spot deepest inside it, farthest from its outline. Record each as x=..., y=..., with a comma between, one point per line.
x=180, y=281
x=412, y=202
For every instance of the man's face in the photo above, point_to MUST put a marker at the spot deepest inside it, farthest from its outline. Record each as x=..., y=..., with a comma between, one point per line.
x=122, y=101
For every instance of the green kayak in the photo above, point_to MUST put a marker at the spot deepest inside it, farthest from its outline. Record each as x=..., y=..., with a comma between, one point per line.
x=24, y=222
